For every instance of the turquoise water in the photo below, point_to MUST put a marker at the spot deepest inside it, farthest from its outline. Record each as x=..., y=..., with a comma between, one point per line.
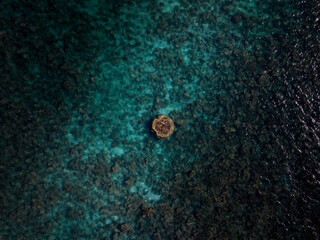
x=81, y=82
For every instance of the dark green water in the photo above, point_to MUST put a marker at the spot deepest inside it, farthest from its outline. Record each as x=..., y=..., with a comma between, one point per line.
x=81, y=81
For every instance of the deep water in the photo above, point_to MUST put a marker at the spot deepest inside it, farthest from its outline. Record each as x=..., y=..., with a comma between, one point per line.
x=81, y=82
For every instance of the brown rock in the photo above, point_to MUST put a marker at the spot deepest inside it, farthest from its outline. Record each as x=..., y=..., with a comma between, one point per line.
x=163, y=126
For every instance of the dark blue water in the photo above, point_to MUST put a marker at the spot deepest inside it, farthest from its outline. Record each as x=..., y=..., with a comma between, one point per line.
x=81, y=82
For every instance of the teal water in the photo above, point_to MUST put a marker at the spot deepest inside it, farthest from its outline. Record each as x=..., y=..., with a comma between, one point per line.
x=81, y=82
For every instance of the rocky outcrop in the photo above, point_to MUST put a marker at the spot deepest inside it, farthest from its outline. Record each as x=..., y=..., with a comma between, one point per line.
x=163, y=126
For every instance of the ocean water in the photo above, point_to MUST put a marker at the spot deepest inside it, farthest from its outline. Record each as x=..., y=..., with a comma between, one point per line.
x=81, y=82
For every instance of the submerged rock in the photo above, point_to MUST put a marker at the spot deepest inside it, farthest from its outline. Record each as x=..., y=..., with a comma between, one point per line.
x=163, y=126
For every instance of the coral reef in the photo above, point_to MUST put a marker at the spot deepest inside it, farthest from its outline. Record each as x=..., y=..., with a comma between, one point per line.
x=80, y=81
x=163, y=126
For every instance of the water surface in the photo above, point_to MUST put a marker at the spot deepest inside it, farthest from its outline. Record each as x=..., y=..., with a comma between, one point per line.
x=81, y=82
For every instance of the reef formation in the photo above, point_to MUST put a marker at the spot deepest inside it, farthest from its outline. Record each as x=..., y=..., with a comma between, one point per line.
x=163, y=126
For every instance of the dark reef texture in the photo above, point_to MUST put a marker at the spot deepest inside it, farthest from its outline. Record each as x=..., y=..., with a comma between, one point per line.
x=80, y=81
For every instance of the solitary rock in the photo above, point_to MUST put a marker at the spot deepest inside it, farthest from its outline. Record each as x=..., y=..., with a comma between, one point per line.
x=163, y=126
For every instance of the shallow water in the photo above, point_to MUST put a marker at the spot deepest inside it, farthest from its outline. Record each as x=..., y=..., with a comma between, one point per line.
x=81, y=82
